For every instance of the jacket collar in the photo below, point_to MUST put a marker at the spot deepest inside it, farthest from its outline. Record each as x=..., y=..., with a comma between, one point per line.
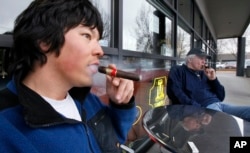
x=191, y=70
x=37, y=112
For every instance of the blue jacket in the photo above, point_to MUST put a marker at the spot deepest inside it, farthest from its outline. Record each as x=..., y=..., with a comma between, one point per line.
x=185, y=86
x=28, y=124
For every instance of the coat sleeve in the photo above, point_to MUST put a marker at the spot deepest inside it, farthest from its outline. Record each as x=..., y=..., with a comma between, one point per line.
x=123, y=117
x=218, y=89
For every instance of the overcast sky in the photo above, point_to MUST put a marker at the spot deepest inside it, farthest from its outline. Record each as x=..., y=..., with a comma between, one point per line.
x=9, y=9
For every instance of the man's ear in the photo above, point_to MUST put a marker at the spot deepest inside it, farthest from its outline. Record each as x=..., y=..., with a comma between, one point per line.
x=44, y=46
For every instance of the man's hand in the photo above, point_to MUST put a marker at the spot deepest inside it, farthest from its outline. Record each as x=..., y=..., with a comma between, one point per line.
x=119, y=90
x=210, y=73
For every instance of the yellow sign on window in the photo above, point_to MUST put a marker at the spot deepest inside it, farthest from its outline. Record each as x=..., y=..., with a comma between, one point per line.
x=157, y=93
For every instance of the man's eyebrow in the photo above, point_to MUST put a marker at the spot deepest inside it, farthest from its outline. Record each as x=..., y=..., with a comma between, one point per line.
x=92, y=30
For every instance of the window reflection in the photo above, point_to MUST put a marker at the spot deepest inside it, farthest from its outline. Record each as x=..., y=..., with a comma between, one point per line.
x=197, y=21
x=197, y=41
x=170, y=2
x=183, y=42
x=203, y=46
x=108, y=59
x=145, y=63
x=146, y=29
x=184, y=7
x=204, y=33
x=138, y=26
x=166, y=44
x=104, y=7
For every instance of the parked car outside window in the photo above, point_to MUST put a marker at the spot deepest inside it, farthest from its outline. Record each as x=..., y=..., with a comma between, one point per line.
x=247, y=63
x=230, y=65
x=220, y=65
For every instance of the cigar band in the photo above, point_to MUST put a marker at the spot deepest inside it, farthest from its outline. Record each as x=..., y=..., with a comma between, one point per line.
x=111, y=72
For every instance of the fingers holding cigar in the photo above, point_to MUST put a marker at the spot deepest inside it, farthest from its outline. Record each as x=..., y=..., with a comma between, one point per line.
x=210, y=72
x=120, y=85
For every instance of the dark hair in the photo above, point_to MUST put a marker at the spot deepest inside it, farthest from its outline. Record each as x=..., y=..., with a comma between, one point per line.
x=47, y=21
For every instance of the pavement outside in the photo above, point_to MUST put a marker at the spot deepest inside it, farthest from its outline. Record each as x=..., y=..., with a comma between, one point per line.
x=237, y=87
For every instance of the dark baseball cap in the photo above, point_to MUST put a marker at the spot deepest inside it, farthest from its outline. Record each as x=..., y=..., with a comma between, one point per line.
x=198, y=52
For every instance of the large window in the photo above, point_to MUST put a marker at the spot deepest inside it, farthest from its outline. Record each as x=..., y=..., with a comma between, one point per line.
x=104, y=7
x=167, y=42
x=197, y=21
x=133, y=63
x=185, y=9
x=139, y=24
x=146, y=29
x=183, y=42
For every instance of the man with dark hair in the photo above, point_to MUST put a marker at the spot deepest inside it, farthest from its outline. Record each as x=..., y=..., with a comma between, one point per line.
x=196, y=84
x=47, y=107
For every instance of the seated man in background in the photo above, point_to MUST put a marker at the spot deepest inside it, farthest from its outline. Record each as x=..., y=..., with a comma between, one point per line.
x=195, y=84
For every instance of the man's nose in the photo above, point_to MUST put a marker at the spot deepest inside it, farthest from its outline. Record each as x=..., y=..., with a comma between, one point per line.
x=98, y=50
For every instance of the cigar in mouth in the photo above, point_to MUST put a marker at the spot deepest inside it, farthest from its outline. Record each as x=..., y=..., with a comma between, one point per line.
x=119, y=73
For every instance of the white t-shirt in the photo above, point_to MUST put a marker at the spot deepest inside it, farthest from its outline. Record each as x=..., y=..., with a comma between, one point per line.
x=66, y=107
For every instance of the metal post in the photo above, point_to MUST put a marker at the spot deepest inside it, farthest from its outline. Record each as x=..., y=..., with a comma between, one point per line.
x=241, y=56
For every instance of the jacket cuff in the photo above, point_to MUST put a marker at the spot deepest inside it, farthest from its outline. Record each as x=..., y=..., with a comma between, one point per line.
x=129, y=105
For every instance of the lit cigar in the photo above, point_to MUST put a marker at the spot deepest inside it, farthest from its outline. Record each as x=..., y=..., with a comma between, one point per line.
x=119, y=73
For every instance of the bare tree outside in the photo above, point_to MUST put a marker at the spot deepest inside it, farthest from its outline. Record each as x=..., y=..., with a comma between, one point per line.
x=183, y=42
x=180, y=45
x=106, y=22
x=228, y=46
x=142, y=31
x=146, y=37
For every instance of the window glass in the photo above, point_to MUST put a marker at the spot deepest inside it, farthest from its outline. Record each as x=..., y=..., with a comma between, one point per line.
x=171, y=2
x=166, y=44
x=204, y=33
x=197, y=21
x=183, y=42
x=203, y=46
x=104, y=7
x=146, y=29
x=197, y=41
x=108, y=59
x=139, y=22
x=184, y=8
x=144, y=63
